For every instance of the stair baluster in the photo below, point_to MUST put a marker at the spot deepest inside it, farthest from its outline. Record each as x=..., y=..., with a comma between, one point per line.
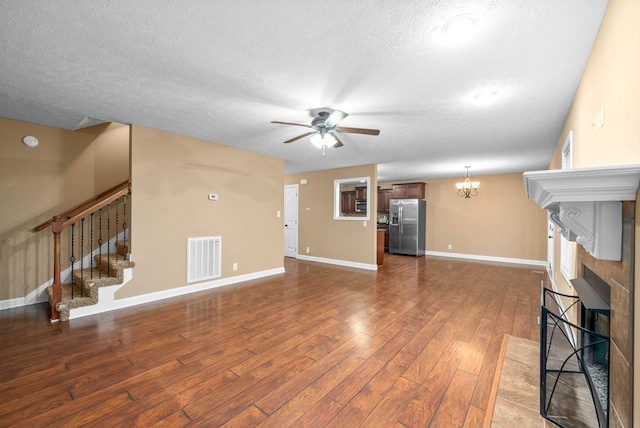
x=81, y=257
x=72, y=259
x=108, y=234
x=117, y=230
x=100, y=242
x=124, y=225
x=92, y=250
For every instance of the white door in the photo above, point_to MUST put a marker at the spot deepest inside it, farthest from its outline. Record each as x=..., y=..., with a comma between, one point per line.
x=291, y=220
x=550, y=244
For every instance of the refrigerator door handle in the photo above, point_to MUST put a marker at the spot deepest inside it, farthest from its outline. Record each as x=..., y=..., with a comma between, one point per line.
x=400, y=219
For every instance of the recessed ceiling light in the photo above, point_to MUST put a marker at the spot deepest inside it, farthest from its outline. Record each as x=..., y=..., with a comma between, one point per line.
x=460, y=25
x=485, y=97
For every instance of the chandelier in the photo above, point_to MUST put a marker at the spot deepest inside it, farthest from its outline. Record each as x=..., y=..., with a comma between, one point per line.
x=467, y=188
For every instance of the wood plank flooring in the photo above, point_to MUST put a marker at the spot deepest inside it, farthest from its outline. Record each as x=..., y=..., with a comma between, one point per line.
x=415, y=344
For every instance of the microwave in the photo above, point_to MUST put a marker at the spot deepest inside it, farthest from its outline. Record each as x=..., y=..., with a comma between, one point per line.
x=361, y=205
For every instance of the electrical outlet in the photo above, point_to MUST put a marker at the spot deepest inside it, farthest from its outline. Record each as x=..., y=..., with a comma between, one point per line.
x=235, y=266
x=450, y=246
x=307, y=251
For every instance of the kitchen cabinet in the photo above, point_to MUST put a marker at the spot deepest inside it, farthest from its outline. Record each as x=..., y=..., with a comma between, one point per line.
x=348, y=201
x=409, y=191
x=380, y=247
x=384, y=196
x=384, y=237
x=361, y=193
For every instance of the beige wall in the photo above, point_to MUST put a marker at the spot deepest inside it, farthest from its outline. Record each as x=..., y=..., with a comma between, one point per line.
x=611, y=80
x=346, y=240
x=171, y=176
x=36, y=183
x=499, y=222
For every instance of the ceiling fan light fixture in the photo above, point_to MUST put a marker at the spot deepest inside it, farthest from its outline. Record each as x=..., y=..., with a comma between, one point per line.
x=320, y=141
x=323, y=128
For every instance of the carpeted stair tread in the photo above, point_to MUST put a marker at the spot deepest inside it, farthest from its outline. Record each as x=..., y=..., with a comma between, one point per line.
x=123, y=248
x=108, y=270
x=93, y=277
x=112, y=265
x=67, y=303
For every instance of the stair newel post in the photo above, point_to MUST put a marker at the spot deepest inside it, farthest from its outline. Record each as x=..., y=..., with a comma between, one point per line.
x=56, y=295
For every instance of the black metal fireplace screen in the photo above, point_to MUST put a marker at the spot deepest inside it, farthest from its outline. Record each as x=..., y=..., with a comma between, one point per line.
x=574, y=365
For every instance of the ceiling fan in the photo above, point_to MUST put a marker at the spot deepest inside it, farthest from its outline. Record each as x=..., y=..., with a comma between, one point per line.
x=324, y=126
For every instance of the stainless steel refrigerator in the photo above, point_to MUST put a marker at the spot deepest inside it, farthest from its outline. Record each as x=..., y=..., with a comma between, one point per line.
x=407, y=219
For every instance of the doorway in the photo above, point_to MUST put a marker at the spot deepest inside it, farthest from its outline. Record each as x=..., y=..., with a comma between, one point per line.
x=291, y=220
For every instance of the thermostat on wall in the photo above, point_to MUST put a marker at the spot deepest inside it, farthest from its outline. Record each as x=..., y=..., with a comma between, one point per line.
x=213, y=197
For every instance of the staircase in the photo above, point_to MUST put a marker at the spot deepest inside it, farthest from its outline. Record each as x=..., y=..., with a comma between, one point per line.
x=80, y=231
x=89, y=285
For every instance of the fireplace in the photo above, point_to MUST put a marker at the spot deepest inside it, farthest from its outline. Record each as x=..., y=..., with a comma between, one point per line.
x=595, y=311
x=574, y=358
x=595, y=208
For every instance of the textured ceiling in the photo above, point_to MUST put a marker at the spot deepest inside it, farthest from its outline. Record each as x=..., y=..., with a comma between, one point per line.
x=223, y=70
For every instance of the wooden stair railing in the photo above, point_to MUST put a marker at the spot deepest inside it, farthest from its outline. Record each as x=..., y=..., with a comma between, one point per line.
x=63, y=220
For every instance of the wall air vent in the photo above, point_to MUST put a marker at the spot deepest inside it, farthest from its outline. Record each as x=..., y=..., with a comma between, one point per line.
x=586, y=204
x=203, y=258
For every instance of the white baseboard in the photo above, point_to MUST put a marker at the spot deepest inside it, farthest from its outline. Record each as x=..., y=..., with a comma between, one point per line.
x=488, y=258
x=173, y=292
x=38, y=295
x=13, y=303
x=338, y=262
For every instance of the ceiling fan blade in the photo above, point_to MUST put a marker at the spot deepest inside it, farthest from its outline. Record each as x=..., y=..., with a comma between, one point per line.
x=334, y=118
x=338, y=142
x=289, y=123
x=363, y=131
x=298, y=137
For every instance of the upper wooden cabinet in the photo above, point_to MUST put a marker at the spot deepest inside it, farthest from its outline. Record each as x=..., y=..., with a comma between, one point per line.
x=409, y=191
x=361, y=193
x=348, y=202
x=384, y=196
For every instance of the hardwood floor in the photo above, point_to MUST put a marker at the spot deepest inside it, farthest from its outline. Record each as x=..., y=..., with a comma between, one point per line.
x=415, y=344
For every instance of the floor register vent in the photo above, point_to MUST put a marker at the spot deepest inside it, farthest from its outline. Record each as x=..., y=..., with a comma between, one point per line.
x=203, y=258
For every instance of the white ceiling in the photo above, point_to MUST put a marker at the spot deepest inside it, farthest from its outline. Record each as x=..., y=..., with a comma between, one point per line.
x=223, y=70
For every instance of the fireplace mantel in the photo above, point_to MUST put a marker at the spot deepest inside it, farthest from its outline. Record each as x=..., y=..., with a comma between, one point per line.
x=585, y=203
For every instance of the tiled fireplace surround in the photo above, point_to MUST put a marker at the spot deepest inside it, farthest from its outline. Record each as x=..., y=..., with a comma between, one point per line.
x=619, y=275
x=584, y=204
